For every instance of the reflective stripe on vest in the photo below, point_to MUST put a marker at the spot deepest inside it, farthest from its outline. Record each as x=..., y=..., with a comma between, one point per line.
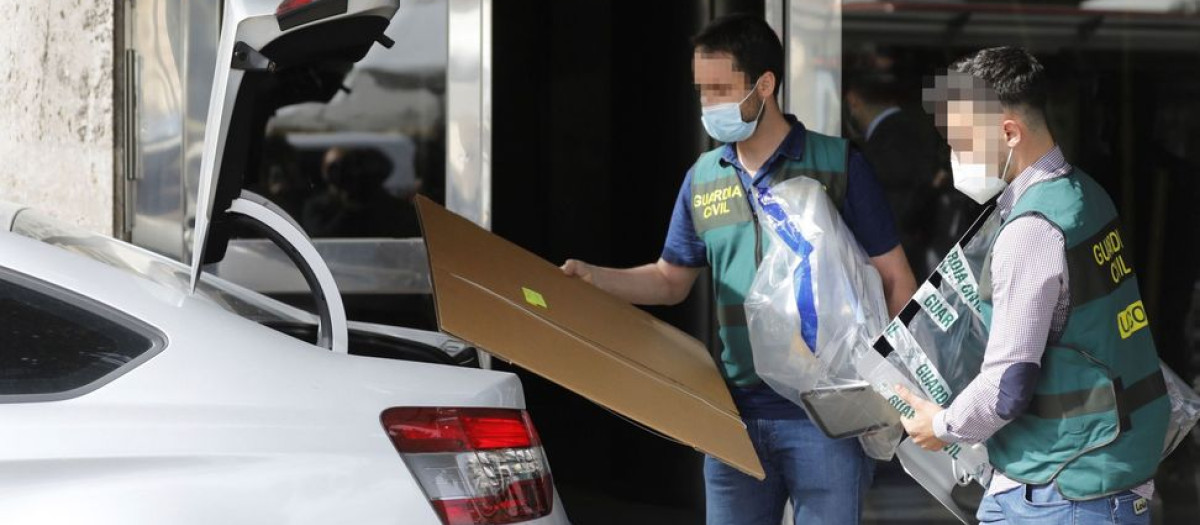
x=1080, y=402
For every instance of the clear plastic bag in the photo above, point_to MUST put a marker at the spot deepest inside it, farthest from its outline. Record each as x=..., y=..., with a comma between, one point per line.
x=937, y=344
x=1185, y=410
x=815, y=303
x=941, y=336
x=833, y=363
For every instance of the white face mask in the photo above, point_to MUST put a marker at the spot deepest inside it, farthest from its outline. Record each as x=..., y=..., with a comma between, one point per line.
x=973, y=179
x=724, y=123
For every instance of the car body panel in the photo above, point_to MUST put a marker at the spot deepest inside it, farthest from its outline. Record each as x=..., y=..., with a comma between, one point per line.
x=252, y=425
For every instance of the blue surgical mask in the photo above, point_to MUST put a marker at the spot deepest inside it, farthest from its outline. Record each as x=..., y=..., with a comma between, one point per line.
x=724, y=123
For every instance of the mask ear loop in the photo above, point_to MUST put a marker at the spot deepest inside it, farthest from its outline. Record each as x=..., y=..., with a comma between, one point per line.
x=761, y=107
x=1004, y=173
x=751, y=92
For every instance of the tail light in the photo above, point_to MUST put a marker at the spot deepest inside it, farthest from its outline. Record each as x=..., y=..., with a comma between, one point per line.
x=292, y=13
x=478, y=466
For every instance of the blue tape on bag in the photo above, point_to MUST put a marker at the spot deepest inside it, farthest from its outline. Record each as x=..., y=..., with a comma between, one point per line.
x=777, y=219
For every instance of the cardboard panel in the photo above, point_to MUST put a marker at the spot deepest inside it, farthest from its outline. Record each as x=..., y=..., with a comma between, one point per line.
x=522, y=309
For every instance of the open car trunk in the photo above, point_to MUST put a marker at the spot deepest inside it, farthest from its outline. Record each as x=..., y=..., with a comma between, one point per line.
x=267, y=61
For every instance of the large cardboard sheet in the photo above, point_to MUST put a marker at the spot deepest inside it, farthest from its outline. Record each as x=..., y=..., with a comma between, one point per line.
x=522, y=309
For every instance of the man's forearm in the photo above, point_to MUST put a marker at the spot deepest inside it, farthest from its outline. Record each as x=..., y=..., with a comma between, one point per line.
x=898, y=292
x=897, y=277
x=972, y=418
x=645, y=285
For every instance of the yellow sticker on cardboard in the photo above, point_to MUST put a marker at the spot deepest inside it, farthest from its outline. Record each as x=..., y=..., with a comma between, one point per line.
x=534, y=298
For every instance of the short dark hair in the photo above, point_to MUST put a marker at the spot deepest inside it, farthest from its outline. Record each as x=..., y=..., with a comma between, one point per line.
x=752, y=43
x=1016, y=77
x=874, y=87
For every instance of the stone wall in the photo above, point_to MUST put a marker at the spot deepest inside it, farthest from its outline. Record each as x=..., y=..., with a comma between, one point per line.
x=56, y=109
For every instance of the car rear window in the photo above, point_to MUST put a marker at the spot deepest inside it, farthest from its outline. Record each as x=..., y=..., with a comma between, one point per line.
x=55, y=344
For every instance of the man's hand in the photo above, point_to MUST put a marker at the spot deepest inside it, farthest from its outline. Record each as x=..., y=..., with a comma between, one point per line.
x=577, y=268
x=920, y=426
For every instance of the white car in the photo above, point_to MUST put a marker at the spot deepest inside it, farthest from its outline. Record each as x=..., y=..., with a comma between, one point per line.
x=134, y=389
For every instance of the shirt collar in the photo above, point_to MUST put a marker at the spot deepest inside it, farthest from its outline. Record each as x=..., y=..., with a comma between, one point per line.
x=792, y=146
x=1051, y=165
x=879, y=118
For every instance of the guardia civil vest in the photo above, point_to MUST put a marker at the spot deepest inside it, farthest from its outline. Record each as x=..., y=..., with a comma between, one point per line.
x=725, y=220
x=1098, y=417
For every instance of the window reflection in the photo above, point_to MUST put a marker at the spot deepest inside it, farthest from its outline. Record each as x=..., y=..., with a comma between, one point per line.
x=350, y=167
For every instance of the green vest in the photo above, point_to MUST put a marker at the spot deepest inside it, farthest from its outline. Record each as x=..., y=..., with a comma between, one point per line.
x=725, y=220
x=1098, y=418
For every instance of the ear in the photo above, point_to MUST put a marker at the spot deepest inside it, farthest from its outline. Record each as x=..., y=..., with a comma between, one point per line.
x=766, y=85
x=1013, y=132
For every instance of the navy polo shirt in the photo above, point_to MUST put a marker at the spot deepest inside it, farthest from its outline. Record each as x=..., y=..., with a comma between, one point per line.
x=864, y=209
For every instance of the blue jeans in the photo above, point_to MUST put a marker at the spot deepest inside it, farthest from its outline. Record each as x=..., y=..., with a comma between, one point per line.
x=824, y=478
x=1044, y=504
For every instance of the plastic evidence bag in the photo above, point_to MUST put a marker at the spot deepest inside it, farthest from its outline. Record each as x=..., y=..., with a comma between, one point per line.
x=937, y=343
x=815, y=302
x=1185, y=410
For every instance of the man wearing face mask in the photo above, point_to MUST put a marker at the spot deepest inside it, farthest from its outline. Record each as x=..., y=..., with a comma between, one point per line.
x=737, y=65
x=1070, y=399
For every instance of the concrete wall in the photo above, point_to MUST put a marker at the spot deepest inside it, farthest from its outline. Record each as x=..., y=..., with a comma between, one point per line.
x=56, y=108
